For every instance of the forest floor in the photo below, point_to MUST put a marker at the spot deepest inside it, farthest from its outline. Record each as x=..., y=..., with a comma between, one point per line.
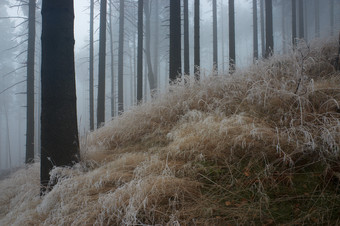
x=260, y=146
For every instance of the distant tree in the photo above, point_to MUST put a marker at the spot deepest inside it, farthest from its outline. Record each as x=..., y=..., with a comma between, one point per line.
x=121, y=58
x=151, y=76
x=317, y=18
x=197, y=56
x=112, y=59
x=294, y=22
x=140, y=53
x=263, y=43
x=175, y=68
x=59, y=130
x=215, y=60
x=269, y=28
x=91, y=70
x=102, y=64
x=186, y=38
x=232, y=55
x=255, y=35
x=30, y=82
x=301, y=20
x=331, y=15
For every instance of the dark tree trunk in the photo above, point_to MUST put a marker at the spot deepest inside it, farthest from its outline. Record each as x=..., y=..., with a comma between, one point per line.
x=263, y=42
x=151, y=77
x=112, y=61
x=269, y=28
x=317, y=18
x=215, y=60
x=186, y=38
x=197, y=56
x=232, y=55
x=301, y=21
x=294, y=23
x=121, y=59
x=59, y=130
x=102, y=64
x=140, y=53
x=283, y=32
x=255, y=37
x=175, y=68
x=156, y=44
x=30, y=83
x=91, y=70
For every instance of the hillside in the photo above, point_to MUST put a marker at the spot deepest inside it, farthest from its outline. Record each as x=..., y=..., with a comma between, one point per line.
x=260, y=146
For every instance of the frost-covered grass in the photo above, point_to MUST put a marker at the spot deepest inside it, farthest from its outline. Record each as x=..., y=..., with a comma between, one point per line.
x=260, y=146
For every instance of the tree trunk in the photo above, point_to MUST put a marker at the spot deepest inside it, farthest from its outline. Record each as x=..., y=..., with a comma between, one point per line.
x=102, y=64
x=151, y=78
x=197, y=56
x=175, y=68
x=301, y=21
x=232, y=55
x=91, y=70
x=255, y=37
x=112, y=61
x=294, y=23
x=269, y=28
x=59, y=129
x=186, y=39
x=30, y=83
x=215, y=60
x=121, y=58
x=317, y=18
x=156, y=44
x=331, y=14
x=263, y=44
x=140, y=53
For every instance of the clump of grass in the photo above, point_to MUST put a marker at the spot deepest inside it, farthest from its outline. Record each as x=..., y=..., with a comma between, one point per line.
x=260, y=146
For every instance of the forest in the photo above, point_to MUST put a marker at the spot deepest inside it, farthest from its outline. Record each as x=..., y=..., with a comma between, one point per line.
x=159, y=112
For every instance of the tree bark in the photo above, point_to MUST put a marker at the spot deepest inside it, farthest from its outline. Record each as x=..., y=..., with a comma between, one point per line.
x=215, y=59
x=232, y=55
x=175, y=68
x=121, y=58
x=269, y=28
x=112, y=61
x=91, y=70
x=30, y=83
x=197, y=56
x=140, y=53
x=263, y=42
x=186, y=38
x=255, y=35
x=102, y=65
x=59, y=129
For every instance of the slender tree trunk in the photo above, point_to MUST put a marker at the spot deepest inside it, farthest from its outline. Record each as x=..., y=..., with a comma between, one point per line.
x=30, y=83
x=102, y=64
x=317, y=18
x=175, y=68
x=151, y=78
x=197, y=56
x=186, y=38
x=255, y=35
x=121, y=58
x=156, y=44
x=263, y=44
x=301, y=20
x=223, y=36
x=269, y=28
x=91, y=70
x=283, y=24
x=215, y=60
x=112, y=60
x=59, y=129
x=9, y=157
x=305, y=23
x=232, y=55
x=140, y=53
x=294, y=23
x=331, y=14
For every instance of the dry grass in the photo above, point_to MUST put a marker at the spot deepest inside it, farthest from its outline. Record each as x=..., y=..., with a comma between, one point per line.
x=260, y=146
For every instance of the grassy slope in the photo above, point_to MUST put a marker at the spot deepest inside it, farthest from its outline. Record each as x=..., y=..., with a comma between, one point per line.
x=260, y=146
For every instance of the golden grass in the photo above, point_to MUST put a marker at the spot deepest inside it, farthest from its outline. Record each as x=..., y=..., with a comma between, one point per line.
x=260, y=146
